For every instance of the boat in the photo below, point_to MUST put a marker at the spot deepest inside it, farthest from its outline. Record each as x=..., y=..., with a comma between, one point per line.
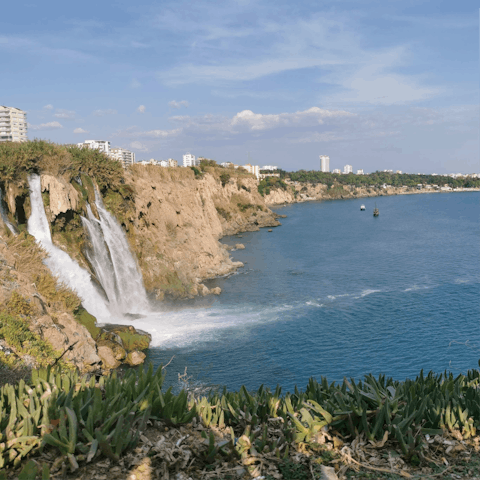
x=376, y=212
x=362, y=207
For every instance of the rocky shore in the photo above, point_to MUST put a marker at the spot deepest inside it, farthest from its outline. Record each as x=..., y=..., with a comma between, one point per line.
x=298, y=192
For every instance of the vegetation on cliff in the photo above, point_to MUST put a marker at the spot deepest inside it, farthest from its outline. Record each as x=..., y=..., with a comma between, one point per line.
x=377, y=179
x=380, y=424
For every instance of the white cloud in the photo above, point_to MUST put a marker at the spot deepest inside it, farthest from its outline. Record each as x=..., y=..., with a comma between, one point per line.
x=141, y=109
x=48, y=107
x=46, y=126
x=102, y=113
x=80, y=130
x=174, y=104
x=139, y=146
x=133, y=132
x=65, y=114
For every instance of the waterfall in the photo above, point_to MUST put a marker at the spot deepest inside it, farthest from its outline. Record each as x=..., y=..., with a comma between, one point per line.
x=59, y=262
x=110, y=257
x=4, y=216
x=128, y=279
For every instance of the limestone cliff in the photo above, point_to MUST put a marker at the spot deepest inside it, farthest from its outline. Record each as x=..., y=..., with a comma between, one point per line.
x=178, y=219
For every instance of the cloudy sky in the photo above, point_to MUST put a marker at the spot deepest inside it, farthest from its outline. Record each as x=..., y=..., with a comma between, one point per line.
x=371, y=83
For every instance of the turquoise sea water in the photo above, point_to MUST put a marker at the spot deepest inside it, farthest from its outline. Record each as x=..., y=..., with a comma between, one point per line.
x=336, y=292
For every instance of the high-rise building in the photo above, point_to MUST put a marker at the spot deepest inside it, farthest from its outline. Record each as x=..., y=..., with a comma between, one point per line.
x=347, y=169
x=324, y=163
x=189, y=160
x=125, y=156
x=13, y=124
x=102, y=145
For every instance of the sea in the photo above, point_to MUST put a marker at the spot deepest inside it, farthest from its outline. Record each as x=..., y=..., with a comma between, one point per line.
x=336, y=292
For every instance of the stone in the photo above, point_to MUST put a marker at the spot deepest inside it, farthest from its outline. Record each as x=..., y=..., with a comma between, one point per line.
x=327, y=473
x=135, y=358
x=203, y=290
x=240, y=246
x=270, y=230
x=216, y=291
x=108, y=358
x=117, y=350
x=65, y=331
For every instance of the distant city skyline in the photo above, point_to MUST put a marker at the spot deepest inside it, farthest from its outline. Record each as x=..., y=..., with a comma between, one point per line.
x=377, y=85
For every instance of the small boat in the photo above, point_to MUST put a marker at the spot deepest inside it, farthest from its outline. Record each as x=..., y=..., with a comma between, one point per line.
x=376, y=212
x=362, y=207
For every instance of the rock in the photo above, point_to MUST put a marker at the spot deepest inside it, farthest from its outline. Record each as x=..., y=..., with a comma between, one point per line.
x=127, y=336
x=135, y=358
x=237, y=264
x=203, y=290
x=117, y=350
x=63, y=196
x=327, y=473
x=108, y=358
x=65, y=332
x=216, y=291
x=240, y=246
x=270, y=230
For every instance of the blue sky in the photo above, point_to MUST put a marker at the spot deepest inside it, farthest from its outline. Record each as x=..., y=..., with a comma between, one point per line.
x=375, y=84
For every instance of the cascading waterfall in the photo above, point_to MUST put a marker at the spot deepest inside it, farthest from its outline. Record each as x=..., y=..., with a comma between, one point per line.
x=113, y=262
x=110, y=257
x=4, y=216
x=128, y=278
x=59, y=262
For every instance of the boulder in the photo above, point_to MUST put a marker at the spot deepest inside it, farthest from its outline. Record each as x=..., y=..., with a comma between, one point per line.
x=216, y=291
x=65, y=331
x=63, y=196
x=108, y=358
x=240, y=246
x=117, y=350
x=135, y=358
x=128, y=336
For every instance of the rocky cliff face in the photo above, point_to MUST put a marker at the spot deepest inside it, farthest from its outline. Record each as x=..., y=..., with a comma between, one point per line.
x=301, y=192
x=178, y=219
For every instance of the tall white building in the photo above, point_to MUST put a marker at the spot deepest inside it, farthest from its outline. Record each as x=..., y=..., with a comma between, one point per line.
x=324, y=163
x=360, y=171
x=253, y=169
x=102, y=145
x=13, y=124
x=189, y=160
x=347, y=169
x=125, y=156
x=269, y=167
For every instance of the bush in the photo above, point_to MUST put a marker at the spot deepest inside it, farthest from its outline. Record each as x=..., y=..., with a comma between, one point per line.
x=224, y=178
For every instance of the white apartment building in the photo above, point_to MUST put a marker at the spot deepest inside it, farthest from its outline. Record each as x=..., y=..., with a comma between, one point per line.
x=324, y=163
x=189, y=160
x=269, y=167
x=227, y=164
x=13, y=124
x=337, y=170
x=125, y=156
x=102, y=145
x=253, y=169
x=360, y=171
x=172, y=163
x=347, y=169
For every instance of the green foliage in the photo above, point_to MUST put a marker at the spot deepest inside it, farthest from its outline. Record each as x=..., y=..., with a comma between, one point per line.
x=48, y=286
x=224, y=178
x=222, y=212
x=17, y=160
x=377, y=179
x=197, y=172
x=88, y=321
x=268, y=183
x=245, y=206
x=18, y=305
x=16, y=333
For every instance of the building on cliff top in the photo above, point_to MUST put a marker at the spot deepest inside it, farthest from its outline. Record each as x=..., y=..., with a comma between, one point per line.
x=190, y=161
x=13, y=124
x=101, y=145
x=125, y=156
x=324, y=163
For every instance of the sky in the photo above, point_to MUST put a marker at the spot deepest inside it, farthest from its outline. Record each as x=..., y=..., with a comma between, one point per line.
x=374, y=84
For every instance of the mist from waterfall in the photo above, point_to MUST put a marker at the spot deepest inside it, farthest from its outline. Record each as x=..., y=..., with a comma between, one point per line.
x=4, y=216
x=110, y=257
